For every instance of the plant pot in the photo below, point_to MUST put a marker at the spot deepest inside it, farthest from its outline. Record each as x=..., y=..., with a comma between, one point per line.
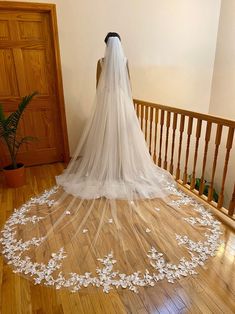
x=14, y=177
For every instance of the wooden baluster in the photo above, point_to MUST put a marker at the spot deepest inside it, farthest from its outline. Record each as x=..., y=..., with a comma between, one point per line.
x=189, y=132
x=182, y=120
x=161, y=132
x=168, y=121
x=198, y=134
x=146, y=122
x=228, y=148
x=148, y=111
x=155, y=136
x=232, y=203
x=142, y=117
x=217, y=143
x=174, y=126
x=138, y=111
x=207, y=139
x=151, y=127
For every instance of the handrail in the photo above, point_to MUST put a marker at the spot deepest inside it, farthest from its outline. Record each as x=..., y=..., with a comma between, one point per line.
x=166, y=128
x=203, y=116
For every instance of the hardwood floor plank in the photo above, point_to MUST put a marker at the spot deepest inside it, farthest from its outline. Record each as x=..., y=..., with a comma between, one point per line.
x=23, y=295
x=9, y=302
x=71, y=302
x=87, y=304
x=188, y=300
x=36, y=298
x=171, y=290
x=118, y=303
x=131, y=301
x=212, y=291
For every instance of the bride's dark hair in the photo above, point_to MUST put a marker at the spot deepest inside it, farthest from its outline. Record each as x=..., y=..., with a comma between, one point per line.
x=111, y=34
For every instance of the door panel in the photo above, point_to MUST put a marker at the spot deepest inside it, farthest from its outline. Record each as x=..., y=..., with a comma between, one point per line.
x=4, y=30
x=8, y=81
x=31, y=30
x=36, y=72
x=27, y=64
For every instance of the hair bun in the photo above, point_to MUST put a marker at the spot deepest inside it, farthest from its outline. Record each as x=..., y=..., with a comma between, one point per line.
x=111, y=34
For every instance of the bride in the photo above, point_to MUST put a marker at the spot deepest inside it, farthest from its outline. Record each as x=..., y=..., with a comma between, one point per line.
x=114, y=219
x=112, y=159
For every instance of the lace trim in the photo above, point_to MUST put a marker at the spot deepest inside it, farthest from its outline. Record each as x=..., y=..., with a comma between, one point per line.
x=105, y=276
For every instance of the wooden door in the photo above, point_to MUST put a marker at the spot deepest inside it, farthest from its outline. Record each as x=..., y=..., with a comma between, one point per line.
x=29, y=61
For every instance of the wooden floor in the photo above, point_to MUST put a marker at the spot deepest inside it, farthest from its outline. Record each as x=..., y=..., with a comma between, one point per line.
x=212, y=291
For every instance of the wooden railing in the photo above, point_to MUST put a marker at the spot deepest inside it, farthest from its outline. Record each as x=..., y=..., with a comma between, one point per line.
x=178, y=138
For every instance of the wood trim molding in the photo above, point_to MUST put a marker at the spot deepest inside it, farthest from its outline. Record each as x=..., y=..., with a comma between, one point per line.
x=51, y=9
x=59, y=81
x=31, y=6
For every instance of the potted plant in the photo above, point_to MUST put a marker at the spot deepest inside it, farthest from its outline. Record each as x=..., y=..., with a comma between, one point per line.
x=14, y=173
x=206, y=187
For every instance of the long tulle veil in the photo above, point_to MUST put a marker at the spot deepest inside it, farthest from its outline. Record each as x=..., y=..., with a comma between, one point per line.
x=114, y=219
x=112, y=158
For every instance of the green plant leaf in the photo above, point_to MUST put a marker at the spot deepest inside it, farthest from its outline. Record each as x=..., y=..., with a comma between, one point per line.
x=13, y=119
x=215, y=196
x=9, y=126
x=197, y=183
x=2, y=121
x=206, y=187
x=2, y=116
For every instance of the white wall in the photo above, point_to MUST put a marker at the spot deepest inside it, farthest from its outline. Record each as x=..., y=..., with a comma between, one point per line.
x=223, y=88
x=222, y=101
x=170, y=45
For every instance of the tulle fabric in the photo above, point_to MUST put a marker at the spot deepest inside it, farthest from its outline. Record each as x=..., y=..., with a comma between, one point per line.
x=112, y=159
x=114, y=219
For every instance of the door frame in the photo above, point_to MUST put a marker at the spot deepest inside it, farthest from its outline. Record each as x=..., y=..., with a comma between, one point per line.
x=49, y=8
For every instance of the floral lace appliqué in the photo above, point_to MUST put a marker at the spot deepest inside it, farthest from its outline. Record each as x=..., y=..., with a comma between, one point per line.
x=106, y=277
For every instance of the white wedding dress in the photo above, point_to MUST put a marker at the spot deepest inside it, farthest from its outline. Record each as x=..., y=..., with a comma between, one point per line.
x=112, y=159
x=114, y=219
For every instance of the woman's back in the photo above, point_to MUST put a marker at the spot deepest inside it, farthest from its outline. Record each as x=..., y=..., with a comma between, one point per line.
x=100, y=64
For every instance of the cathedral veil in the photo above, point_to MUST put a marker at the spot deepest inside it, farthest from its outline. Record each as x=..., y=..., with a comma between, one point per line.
x=120, y=166
x=114, y=219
